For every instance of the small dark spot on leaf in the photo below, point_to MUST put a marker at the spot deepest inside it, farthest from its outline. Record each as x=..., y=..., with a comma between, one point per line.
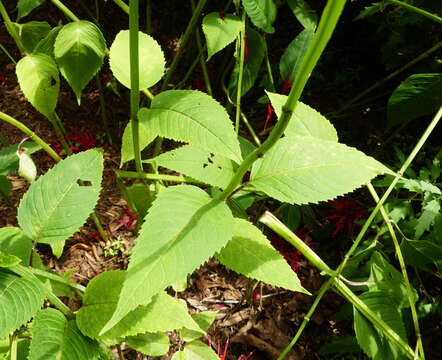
x=84, y=182
x=219, y=167
x=212, y=155
x=205, y=165
x=210, y=160
x=53, y=81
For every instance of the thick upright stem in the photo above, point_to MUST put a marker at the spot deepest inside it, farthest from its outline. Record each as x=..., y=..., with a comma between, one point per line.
x=242, y=50
x=65, y=10
x=326, y=26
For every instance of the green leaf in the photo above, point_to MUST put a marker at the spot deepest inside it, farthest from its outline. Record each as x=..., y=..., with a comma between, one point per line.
x=256, y=46
x=26, y=167
x=302, y=170
x=204, y=319
x=39, y=81
x=79, y=51
x=46, y=45
x=150, y=55
x=139, y=199
x=31, y=33
x=371, y=340
x=5, y=187
x=8, y=260
x=305, y=121
x=14, y=242
x=419, y=253
x=340, y=344
x=152, y=344
x=262, y=13
x=196, y=350
x=163, y=313
x=429, y=212
x=9, y=158
x=304, y=13
x=388, y=280
x=220, y=31
x=199, y=164
x=374, y=8
x=20, y=299
x=26, y=6
x=193, y=117
x=251, y=254
x=56, y=338
x=417, y=96
x=127, y=146
x=170, y=247
x=55, y=206
x=293, y=55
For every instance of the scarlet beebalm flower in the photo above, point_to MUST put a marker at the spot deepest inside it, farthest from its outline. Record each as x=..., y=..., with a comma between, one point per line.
x=345, y=213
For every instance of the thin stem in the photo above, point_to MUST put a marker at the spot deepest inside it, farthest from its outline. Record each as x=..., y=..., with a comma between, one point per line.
x=8, y=54
x=250, y=128
x=123, y=6
x=157, y=177
x=242, y=49
x=65, y=10
x=190, y=70
x=404, y=271
x=148, y=94
x=391, y=76
x=326, y=26
x=416, y=10
x=307, y=318
x=103, y=108
x=57, y=278
x=202, y=61
x=13, y=340
x=269, y=67
x=11, y=28
x=134, y=80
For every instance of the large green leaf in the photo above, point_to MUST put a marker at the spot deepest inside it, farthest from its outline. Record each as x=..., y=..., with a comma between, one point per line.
x=46, y=45
x=220, y=31
x=303, y=170
x=372, y=341
x=193, y=117
x=251, y=254
x=20, y=299
x=419, y=253
x=26, y=6
x=56, y=205
x=31, y=33
x=204, y=319
x=9, y=158
x=256, y=48
x=304, y=13
x=150, y=55
x=262, y=13
x=418, y=95
x=79, y=51
x=163, y=313
x=38, y=78
x=195, y=350
x=170, y=247
x=293, y=55
x=127, y=146
x=56, y=338
x=305, y=121
x=152, y=344
x=199, y=164
x=14, y=242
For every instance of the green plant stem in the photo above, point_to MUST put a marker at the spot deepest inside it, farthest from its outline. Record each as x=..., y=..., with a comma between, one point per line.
x=11, y=28
x=157, y=177
x=134, y=80
x=103, y=109
x=65, y=10
x=148, y=94
x=241, y=46
x=391, y=76
x=201, y=58
x=326, y=26
x=58, y=278
x=8, y=54
x=277, y=226
x=10, y=120
x=123, y=6
x=400, y=258
x=190, y=70
x=307, y=318
x=416, y=10
x=250, y=128
x=55, y=122
x=13, y=340
x=269, y=67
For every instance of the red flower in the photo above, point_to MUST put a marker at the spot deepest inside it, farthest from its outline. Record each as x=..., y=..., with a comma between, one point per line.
x=223, y=356
x=344, y=214
x=81, y=141
x=286, y=85
x=246, y=49
x=128, y=219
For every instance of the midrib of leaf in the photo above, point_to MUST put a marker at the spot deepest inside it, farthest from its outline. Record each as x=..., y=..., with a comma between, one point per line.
x=183, y=231
x=196, y=121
